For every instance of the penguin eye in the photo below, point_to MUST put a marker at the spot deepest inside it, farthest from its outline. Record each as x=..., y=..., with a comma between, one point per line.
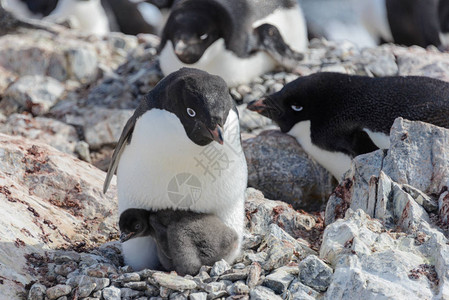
x=137, y=226
x=191, y=112
x=204, y=36
x=296, y=107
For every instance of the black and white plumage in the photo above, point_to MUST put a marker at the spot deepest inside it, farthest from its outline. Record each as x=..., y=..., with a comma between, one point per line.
x=187, y=116
x=405, y=22
x=337, y=116
x=224, y=37
x=186, y=240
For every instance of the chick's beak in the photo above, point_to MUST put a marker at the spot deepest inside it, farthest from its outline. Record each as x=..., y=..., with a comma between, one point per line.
x=217, y=134
x=124, y=236
x=258, y=106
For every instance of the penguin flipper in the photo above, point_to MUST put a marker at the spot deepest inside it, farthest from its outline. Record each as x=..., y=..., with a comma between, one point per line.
x=362, y=143
x=124, y=138
x=270, y=40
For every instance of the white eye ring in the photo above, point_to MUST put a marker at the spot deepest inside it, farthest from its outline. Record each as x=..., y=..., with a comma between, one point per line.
x=296, y=108
x=191, y=112
x=204, y=36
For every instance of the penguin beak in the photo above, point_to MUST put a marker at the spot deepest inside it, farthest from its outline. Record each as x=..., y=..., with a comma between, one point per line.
x=180, y=47
x=258, y=106
x=217, y=134
x=124, y=236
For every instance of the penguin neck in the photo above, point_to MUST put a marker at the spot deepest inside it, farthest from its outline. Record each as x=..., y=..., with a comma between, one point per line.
x=336, y=163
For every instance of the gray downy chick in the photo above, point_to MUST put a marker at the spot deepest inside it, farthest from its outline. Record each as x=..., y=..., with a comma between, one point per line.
x=186, y=240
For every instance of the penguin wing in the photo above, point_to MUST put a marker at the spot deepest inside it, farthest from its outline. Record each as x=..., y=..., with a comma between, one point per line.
x=122, y=142
x=267, y=38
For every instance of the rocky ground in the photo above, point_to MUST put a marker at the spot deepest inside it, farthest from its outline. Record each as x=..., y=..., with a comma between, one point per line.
x=381, y=233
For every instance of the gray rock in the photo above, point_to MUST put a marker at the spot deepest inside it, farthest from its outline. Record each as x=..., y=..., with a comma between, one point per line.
x=235, y=274
x=315, y=273
x=278, y=281
x=36, y=94
x=82, y=64
x=299, y=291
x=198, y=296
x=250, y=120
x=238, y=288
x=86, y=289
x=214, y=287
x=37, y=292
x=139, y=285
x=263, y=293
x=53, y=132
x=254, y=272
x=81, y=280
x=58, y=291
x=104, y=126
x=279, y=167
x=128, y=277
x=111, y=293
x=82, y=150
x=128, y=293
x=173, y=281
x=219, y=268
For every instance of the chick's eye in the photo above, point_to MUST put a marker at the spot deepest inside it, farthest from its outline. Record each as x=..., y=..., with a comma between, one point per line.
x=191, y=112
x=137, y=226
x=204, y=36
x=296, y=107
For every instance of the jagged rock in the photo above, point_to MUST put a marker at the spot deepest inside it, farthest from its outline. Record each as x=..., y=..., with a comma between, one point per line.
x=263, y=293
x=104, y=126
x=53, y=132
x=238, y=288
x=219, y=268
x=279, y=167
x=315, y=273
x=58, y=291
x=297, y=290
x=278, y=281
x=173, y=282
x=111, y=293
x=37, y=292
x=36, y=94
x=50, y=199
x=198, y=296
x=370, y=261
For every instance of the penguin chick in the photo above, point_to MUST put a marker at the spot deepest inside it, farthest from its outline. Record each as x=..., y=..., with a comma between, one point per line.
x=186, y=240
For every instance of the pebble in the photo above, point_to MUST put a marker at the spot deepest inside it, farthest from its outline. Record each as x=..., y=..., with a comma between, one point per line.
x=37, y=292
x=219, y=268
x=112, y=293
x=173, y=282
x=315, y=273
x=58, y=291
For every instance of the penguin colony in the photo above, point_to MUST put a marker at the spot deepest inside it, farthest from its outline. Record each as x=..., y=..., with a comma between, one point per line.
x=173, y=207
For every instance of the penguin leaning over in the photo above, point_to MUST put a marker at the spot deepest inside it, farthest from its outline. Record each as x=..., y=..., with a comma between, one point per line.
x=237, y=40
x=336, y=117
x=181, y=150
x=186, y=240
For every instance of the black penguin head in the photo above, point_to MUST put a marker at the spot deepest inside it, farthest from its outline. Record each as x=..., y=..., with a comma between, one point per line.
x=200, y=100
x=286, y=107
x=134, y=223
x=191, y=29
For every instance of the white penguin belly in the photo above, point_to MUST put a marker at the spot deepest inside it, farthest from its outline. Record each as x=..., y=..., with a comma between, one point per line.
x=291, y=24
x=336, y=163
x=219, y=61
x=379, y=139
x=162, y=168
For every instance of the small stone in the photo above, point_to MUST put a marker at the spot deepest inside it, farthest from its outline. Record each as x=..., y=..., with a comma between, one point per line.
x=178, y=296
x=278, y=281
x=129, y=293
x=243, y=89
x=263, y=293
x=82, y=149
x=235, y=274
x=145, y=273
x=239, y=266
x=37, y=292
x=86, y=289
x=198, y=296
x=315, y=273
x=173, y=282
x=83, y=279
x=219, y=268
x=238, y=288
x=111, y=293
x=254, y=272
x=215, y=287
x=58, y=291
x=66, y=268
x=139, y=285
x=67, y=257
x=128, y=277
x=151, y=290
x=297, y=290
x=164, y=292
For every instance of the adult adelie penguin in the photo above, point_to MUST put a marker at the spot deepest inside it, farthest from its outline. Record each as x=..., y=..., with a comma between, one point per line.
x=181, y=150
x=336, y=116
x=237, y=40
x=405, y=22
